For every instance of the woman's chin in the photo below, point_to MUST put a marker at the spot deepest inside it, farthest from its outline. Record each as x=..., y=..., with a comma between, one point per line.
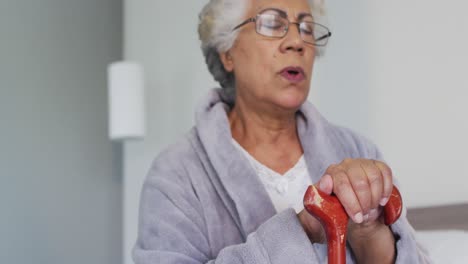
x=291, y=100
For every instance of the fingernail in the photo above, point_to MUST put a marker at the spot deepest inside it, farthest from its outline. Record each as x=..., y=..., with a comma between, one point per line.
x=366, y=218
x=384, y=201
x=358, y=218
x=373, y=213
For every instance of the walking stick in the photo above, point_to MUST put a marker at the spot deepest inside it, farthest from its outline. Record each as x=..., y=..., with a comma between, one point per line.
x=331, y=214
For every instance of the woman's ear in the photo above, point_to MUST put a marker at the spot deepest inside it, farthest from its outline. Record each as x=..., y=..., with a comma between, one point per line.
x=226, y=59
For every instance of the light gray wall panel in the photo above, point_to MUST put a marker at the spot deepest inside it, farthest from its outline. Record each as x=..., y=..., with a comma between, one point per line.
x=60, y=189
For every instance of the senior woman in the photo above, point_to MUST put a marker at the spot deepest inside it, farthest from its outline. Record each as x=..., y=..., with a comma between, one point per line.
x=231, y=190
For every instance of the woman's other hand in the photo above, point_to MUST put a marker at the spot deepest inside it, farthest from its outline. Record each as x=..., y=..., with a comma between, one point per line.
x=312, y=227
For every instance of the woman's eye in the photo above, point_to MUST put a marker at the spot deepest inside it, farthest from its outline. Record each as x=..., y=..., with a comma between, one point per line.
x=272, y=24
x=308, y=30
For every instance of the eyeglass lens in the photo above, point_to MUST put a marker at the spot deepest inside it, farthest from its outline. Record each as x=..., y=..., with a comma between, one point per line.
x=271, y=24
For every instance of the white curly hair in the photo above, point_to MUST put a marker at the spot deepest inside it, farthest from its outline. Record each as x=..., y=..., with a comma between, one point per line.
x=216, y=21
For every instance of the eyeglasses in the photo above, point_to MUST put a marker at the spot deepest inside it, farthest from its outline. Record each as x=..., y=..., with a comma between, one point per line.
x=276, y=26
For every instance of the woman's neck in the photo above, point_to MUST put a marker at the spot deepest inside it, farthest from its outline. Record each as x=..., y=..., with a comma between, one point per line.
x=269, y=136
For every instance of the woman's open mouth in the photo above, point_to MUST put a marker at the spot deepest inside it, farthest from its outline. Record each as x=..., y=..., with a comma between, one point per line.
x=293, y=74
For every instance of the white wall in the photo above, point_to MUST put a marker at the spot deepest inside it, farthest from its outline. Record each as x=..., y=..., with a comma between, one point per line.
x=162, y=35
x=384, y=75
x=419, y=93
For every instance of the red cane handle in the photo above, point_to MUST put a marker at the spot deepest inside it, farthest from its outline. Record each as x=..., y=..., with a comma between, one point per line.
x=393, y=208
x=331, y=214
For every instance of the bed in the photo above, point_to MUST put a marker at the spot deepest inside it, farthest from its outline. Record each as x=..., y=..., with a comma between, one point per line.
x=443, y=231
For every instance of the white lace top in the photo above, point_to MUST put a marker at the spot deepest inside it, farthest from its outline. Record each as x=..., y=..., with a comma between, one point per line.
x=287, y=190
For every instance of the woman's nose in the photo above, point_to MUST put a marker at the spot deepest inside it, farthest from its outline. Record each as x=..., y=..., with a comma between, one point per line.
x=293, y=40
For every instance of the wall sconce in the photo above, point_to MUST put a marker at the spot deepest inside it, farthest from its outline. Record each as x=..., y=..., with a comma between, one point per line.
x=126, y=101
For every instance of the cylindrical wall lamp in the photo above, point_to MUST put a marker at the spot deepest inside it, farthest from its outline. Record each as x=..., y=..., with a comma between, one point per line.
x=126, y=101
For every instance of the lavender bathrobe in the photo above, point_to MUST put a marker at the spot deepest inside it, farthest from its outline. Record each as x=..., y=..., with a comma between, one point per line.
x=203, y=203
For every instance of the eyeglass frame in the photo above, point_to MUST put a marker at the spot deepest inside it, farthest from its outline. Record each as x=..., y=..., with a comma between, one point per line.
x=298, y=24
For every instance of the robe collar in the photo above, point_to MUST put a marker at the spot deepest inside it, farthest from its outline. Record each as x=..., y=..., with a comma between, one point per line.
x=240, y=184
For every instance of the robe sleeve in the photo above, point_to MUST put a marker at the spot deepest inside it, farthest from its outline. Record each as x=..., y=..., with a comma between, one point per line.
x=172, y=229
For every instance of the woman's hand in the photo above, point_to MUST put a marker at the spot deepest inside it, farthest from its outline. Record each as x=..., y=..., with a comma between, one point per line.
x=363, y=186
x=312, y=227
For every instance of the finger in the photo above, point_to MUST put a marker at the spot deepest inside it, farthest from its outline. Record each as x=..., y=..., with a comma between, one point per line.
x=345, y=193
x=375, y=213
x=326, y=184
x=387, y=177
x=375, y=179
x=332, y=169
x=361, y=187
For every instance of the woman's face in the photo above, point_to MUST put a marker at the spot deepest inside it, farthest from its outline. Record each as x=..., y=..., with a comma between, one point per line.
x=272, y=71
